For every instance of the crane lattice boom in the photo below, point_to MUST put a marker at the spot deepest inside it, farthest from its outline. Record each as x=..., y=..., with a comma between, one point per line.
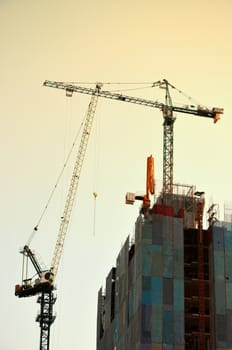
x=107, y=94
x=74, y=182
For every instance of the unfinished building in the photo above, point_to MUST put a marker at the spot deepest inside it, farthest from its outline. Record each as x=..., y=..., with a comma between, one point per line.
x=171, y=288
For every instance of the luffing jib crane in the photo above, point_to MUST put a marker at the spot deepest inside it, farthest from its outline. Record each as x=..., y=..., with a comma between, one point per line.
x=167, y=108
x=43, y=284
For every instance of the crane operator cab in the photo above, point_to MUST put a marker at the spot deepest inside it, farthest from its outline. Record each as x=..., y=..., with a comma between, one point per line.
x=29, y=286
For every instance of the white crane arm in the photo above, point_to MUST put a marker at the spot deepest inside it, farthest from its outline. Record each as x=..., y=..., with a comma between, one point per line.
x=74, y=182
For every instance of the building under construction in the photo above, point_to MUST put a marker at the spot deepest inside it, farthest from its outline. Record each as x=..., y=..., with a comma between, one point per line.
x=171, y=287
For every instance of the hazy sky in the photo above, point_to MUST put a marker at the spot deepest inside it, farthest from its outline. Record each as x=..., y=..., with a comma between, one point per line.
x=186, y=42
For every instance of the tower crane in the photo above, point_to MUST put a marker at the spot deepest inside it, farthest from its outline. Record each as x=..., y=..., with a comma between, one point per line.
x=43, y=284
x=167, y=109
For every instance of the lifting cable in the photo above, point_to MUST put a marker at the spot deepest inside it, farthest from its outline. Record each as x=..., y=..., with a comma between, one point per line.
x=96, y=146
x=148, y=85
x=132, y=89
x=94, y=212
x=184, y=94
x=36, y=227
x=151, y=85
x=108, y=83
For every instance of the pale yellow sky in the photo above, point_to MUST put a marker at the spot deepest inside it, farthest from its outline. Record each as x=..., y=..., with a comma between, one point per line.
x=186, y=42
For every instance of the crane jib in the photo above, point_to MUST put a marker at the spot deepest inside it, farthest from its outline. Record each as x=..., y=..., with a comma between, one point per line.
x=197, y=110
x=105, y=94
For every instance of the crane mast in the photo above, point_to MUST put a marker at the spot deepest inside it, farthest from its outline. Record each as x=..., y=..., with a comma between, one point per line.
x=168, y=136
x=167, y=108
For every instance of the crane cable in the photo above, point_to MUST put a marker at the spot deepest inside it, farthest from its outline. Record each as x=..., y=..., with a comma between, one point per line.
x=94, y=213
x=190, y=98
x=108, y=83
x=96, y=163
x=148, y=85
x=132, y=89
x=36, y=227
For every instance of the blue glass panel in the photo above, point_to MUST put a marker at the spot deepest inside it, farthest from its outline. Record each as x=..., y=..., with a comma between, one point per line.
x=167, y=325
x=157, y=287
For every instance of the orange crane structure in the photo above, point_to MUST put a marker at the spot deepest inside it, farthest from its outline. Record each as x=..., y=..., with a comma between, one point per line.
x=150, y=187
